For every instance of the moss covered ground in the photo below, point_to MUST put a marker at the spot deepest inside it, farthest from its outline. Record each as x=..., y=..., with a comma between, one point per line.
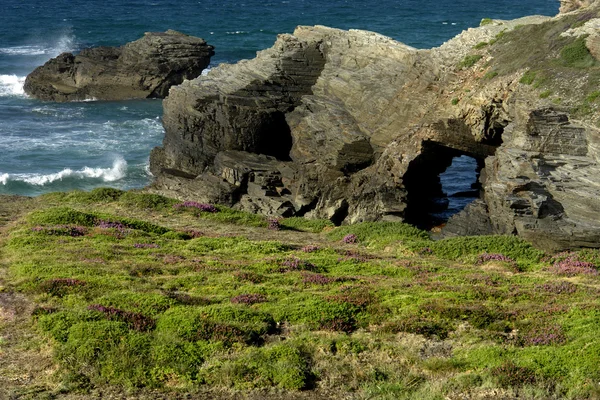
x=112, y=294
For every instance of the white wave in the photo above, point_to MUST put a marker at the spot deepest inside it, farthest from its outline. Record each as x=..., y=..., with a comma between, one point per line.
x=23, y=50
x=205, y=71
x=65, y=43
x=12, y=85
x=236, y=32
x=114, y=173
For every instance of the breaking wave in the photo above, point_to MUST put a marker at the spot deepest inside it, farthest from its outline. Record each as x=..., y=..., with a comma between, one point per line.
x=12, y=85
x=117, y=171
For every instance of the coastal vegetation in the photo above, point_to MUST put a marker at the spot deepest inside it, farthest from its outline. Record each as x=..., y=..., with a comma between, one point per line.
x=135, y=292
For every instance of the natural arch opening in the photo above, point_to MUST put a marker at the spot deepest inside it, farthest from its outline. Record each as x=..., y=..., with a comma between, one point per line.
x=440, y=182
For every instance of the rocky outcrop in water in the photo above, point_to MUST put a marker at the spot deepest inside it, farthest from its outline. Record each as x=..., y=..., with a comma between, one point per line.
x=353, y=126
x=145, y=68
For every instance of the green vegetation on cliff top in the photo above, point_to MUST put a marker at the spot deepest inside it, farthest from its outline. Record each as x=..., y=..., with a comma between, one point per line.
x=137, y=293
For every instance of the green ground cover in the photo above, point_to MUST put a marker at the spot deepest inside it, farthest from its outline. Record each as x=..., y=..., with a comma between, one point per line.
x=136, y=291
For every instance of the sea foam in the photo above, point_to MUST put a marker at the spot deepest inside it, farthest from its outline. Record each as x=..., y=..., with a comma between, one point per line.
x=12, y=85
x=114, y=173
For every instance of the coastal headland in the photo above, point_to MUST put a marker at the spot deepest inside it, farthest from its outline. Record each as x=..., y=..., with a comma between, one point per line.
x=275, y=256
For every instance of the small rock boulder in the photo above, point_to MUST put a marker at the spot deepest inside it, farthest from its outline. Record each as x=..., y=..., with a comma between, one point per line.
x=145, y=68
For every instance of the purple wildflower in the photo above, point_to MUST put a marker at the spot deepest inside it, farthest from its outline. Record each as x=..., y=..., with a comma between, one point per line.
x=310, y=248
x=194, y=204
x=543, y=336
x=350, y=239
x=274, y=224
x=558, y=288
x=249, y=299
x=571, y=266
x=485, y=257
x=145, y=246
x=317, y=279
x=296, y=264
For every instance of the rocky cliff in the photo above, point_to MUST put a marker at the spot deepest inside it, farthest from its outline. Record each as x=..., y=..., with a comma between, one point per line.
x=353, y=126
x=145, y=68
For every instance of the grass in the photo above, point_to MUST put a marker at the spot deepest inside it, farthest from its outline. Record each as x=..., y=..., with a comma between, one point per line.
x=469, y=61
x=151, y=305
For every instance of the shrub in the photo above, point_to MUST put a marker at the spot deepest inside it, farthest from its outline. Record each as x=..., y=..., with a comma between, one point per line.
x=218, y=323
x=528, y=77
x=146, y=201
x=541, y=334
x=358, y=296
x=510, y=246
x=273, y=224
x=350, y=239
x=490, y=75
x=108, y=352
x=283, y=365
x=249, y=299
x=62, y=216
x=296, y=264
x=469, y=61
x=558, y=287
x=61, y=230
x=577, y=55
x=380, y=233
x=252, y=277
x=545, y=94
x=419, y=325
x=592, y=96
x=145, y=303
x=480, y=45
x=59, y=323
x=571, y=265
x=103, y=195
x=511, y=375
x=310, y=248
x=209, y=208
x=455, y=101
x=59, y=287
x=486, y=21
x=317, y=279
x=486, y=257
x=136, y=321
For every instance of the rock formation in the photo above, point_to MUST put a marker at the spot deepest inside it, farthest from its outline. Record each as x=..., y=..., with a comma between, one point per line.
x=145, y=68
x=572, y=5
x=353, y=126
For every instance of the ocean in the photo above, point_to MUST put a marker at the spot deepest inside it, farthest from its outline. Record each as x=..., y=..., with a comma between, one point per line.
x=48, y=147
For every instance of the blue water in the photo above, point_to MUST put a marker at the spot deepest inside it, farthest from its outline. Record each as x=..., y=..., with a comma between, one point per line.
x=48, y=146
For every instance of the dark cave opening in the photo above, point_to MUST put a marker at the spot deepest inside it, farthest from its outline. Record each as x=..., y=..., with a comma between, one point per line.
x=275, y=137
x=440, y=183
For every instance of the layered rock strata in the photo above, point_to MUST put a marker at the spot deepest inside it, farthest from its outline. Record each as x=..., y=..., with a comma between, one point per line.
x=353, y=126
x=145, y=68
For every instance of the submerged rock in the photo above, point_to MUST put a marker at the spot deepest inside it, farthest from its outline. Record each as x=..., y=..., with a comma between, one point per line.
x=145, y=68
x=353, y=126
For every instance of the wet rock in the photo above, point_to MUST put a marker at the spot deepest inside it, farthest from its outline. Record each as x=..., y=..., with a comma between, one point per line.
x=145, y=68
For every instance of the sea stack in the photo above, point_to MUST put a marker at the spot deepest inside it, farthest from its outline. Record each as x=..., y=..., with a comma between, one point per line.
x=145, y=68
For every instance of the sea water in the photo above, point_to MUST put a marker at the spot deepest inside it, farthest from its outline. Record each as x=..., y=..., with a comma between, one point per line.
x=47, y=146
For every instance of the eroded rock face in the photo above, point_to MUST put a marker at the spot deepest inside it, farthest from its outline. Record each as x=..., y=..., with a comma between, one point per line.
x=573, y=5
x=353, y=126
x=145, y=68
